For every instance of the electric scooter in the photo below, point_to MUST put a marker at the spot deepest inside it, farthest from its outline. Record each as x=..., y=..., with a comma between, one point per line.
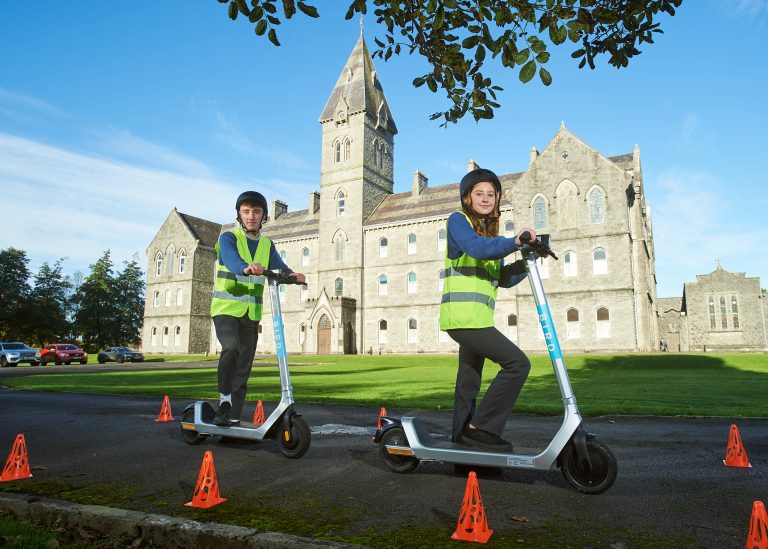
x=284, y=424
x=588, y=465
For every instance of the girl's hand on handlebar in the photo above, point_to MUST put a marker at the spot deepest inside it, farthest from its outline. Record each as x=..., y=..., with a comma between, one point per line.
x=300, y=279
x=254, y=269
x=523, y=231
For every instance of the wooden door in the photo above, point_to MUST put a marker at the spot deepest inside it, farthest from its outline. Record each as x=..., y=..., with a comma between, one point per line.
x=324, y=336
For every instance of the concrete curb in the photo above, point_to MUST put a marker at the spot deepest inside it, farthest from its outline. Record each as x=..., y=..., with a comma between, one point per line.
x=156, y=530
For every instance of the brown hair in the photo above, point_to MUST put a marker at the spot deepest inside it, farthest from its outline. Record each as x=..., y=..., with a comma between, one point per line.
x=484, y=226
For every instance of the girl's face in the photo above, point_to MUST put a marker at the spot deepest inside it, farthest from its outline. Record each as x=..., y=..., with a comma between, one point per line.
x=483, y=197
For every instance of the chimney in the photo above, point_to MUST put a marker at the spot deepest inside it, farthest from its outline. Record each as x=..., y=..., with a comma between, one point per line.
x=420, y=182
x=534, y=155
x=314, y=202
x=472, y=165
x=278, y=208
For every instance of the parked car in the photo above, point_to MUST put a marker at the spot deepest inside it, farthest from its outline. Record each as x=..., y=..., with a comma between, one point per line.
x=120, y=354
x=14, y=352
x=62, y=353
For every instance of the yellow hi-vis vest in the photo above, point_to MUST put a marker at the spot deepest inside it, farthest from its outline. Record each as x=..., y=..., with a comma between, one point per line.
x=235, y=294
x=469, y=291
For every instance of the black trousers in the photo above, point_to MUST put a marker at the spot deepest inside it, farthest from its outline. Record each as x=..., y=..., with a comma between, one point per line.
x=475, y=345
x=238, y=338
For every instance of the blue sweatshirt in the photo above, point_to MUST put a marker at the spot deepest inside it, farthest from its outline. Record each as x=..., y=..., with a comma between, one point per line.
x=231, y=259
x=462, y=239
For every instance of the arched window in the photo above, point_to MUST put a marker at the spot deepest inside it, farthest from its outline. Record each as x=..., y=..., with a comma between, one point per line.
x=165, y=336
x=159, y=264
x=179, y=297
x=442, y=238
x=337, y=152
x=569, y=264
x=302, y=333
x=283, y=254
x=603, y=323
x=512, y=327
x=382, y=154
x=411, y=244
x=338, y=287
x=341, y=204
x=167, y=298
x=566, y=202
x=573, y=329
x=539, y=213
x=440, y=279
x=182, y=261
x=347, y=150
x=599, y=261
x=303, y=292
x=153, y=339
x=596, y=206
x=304, y=257
x=383, y=332
x=376, y=153
x=177, y=336
x=412, y=288
x=170, y=253
x=383, y=285
x=383, y=246
x=413, y=331
x=509, y=229
x=156, y=298
x=338, y=247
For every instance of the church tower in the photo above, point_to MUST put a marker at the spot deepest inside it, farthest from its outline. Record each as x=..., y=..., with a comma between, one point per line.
x=356, y=175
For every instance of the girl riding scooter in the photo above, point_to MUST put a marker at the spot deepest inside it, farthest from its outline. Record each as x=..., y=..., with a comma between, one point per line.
x=474, y=269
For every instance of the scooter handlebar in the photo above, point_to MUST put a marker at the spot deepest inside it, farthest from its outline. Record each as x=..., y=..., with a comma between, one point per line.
x=280, y=276
x=540, y=247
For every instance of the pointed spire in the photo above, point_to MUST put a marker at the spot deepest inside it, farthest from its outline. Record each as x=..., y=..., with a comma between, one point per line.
x=362, y=25
x=358, y=90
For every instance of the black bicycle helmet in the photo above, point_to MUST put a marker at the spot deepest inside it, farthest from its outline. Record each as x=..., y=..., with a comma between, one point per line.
x=476, y=176
x=251, y=197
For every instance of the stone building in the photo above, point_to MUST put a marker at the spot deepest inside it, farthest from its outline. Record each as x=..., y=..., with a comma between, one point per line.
x=373, y=258
x=721, y=311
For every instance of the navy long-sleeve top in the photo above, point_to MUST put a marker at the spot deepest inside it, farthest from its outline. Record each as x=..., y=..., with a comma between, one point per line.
x=231, y=259
x=462, y=239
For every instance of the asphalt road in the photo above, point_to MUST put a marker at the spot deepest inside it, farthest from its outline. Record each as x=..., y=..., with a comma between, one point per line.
x=672, y=489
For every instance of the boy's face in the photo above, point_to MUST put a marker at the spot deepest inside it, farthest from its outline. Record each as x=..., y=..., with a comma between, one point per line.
x=483, y=197
x=251, y=215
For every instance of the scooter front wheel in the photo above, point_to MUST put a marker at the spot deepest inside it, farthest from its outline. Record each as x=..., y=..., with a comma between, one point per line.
x=295, y=443
x=589, y=480
x=190, y=436
x=395, y=436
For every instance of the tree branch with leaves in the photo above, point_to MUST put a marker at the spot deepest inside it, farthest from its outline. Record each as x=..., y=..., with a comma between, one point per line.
x=460, y=38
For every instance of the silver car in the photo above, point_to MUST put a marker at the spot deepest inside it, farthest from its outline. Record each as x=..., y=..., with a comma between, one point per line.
x=14, y=352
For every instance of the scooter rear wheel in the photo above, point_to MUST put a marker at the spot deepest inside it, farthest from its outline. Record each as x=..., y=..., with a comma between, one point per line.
x=395, y=436
x=190, y=436
x=589, y=481
x=295, y=443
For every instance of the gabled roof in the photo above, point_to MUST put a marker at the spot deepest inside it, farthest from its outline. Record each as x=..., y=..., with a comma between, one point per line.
x=624, y=161
x=292, y=225
x=432, y=202
x=207, y=232
x=359, y=87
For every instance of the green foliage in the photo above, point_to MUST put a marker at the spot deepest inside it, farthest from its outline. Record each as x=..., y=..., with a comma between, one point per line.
x=14, y=293
x=49, y=306
x=456, y=37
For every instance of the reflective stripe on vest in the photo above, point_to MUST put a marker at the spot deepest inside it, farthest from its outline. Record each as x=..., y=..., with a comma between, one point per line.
x=469, y=292
x=237, y=294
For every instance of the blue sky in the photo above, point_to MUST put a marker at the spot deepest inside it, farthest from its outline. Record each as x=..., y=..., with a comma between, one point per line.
x=111, y=114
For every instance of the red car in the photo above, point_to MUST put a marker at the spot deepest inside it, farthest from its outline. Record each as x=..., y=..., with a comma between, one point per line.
x=62, y=352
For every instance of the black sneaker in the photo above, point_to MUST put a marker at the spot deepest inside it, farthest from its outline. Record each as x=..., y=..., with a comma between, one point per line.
x=222, y=415
x=484, y=440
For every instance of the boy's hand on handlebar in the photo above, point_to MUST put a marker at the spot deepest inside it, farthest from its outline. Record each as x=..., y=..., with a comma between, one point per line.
x=254, y=269
x=300, y=279
x=532, y=234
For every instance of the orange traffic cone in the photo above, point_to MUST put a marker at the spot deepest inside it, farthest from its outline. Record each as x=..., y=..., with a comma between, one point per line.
x=472, y=523
x=736, y=455
x=17, y=466
x=207, y=489
x=758, y=527
x=165, y=411
x=382, y=413
x=258, y=414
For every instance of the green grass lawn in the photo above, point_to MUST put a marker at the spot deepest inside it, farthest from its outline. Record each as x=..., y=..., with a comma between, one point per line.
x=733, y=385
